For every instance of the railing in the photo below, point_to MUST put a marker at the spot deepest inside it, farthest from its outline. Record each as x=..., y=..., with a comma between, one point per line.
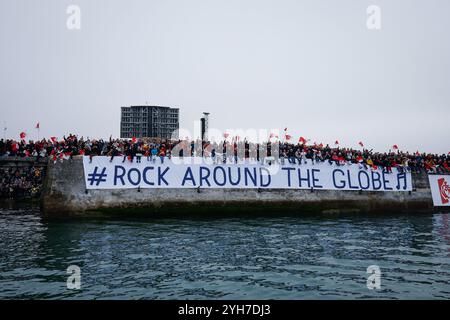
x=22, y=161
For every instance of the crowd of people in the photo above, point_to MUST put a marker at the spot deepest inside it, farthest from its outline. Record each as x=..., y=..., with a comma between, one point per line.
x=21, y=182
x=227, y=151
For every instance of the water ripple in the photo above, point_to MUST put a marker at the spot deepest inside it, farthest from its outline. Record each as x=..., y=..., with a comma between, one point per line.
x=282, y=257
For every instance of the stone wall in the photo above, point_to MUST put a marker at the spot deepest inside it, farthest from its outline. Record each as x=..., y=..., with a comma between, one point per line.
x=65, y=195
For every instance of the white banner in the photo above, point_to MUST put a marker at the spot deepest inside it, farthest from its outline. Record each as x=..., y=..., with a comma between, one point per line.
x=440, y=190
x=194, y=172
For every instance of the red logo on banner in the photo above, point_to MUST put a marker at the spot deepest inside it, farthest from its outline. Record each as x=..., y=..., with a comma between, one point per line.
x=444, y=190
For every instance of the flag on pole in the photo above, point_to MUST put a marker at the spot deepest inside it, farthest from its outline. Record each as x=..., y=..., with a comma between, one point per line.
x=288, y=137
x=23, y=135
x=395, y=147
x=336, y=142
x=361, y=144
x=37, y=128
x=273, y=135
x=302, y=140
x=54, y=139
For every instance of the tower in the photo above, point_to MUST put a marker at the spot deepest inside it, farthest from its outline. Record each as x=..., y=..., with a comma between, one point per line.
x=205, y=126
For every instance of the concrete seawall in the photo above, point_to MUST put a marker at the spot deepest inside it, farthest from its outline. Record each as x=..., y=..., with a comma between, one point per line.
x=65, y=195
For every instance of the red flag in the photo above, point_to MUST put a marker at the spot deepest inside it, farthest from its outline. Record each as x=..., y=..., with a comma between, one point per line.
x=133, y=140
x=288, y=137
x=285, y=129
x=54, y=139
x=23, y=135
x=302, y=140
x=418, y=153
x=321, y=145
x=395, y=147
x=37, y=125
x=361, y=144
x=81, y=152
x=336, y=142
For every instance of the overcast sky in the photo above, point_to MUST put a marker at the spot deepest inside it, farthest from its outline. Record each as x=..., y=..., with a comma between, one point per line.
x=310, y=65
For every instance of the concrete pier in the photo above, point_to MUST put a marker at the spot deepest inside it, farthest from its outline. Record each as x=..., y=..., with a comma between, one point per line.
x=65, y=194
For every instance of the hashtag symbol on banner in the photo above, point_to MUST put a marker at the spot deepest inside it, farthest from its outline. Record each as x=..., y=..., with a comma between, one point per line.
x=96, y=177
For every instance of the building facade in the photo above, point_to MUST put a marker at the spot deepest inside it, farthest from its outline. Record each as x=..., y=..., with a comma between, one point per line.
x=148, y=121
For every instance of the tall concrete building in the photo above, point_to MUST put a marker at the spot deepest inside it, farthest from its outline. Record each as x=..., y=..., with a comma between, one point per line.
x=148, y=121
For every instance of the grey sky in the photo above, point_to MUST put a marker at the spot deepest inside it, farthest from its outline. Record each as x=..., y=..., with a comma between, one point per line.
x=311, y=66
